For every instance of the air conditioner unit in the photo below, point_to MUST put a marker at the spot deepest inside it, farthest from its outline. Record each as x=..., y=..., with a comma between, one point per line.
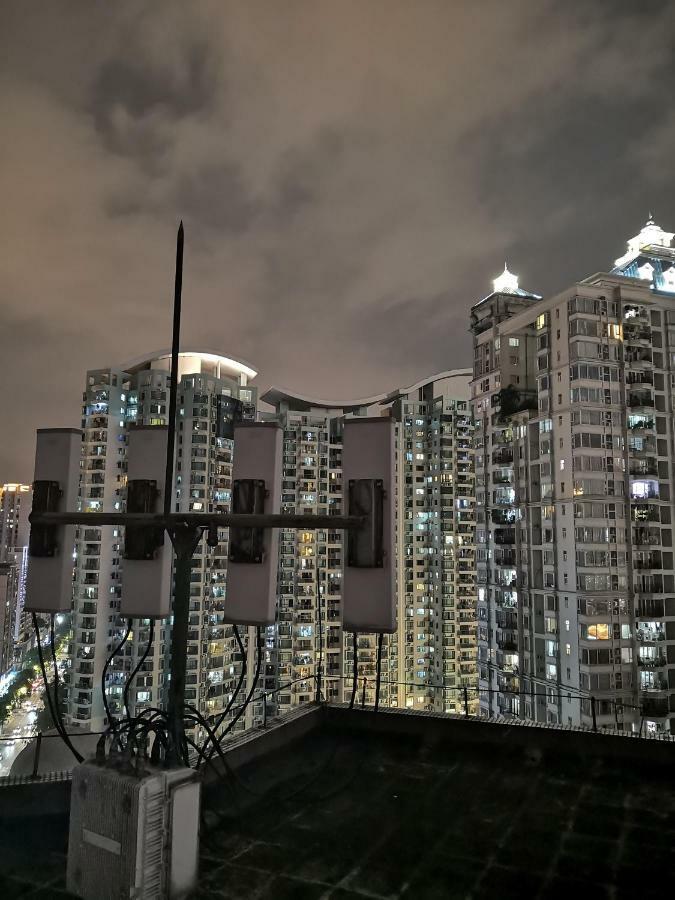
x=133, y=834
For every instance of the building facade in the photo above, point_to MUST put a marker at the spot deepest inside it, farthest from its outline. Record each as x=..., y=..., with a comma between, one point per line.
x=213, y=391
x=429, y=661
x=428, y=664
x=572, y=398
x=15, y=507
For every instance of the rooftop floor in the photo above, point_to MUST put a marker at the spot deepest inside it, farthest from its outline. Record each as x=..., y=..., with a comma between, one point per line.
x=352, y=804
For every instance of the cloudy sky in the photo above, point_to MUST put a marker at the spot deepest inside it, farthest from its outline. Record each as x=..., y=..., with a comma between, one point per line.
x=351, y=176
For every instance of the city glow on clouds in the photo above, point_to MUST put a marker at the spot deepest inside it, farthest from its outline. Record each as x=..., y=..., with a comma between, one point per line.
x=351, y=176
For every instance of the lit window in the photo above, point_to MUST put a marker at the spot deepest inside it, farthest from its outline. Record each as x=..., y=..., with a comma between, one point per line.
x=599, y=632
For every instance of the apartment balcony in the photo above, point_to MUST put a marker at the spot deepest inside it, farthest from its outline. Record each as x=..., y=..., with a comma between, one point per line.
x=637, y=334
x=505, y=536
x=505, y=560
x=508, y=683
x=507, y=641
x=647, y=585
x=649, y=563
x=503, y=516
x=96, y=478
x=643, y=489
x=81, y=666
x=642, y=401
x=643, y=448
x=650, y=634
x=639, y=378
x=652, y=662
x=642, y=428
x=96, y=421
x=643, y=469
x=86, y=609
x=645, y=512
x=505, y=577
x=91, y=550
x=507, y=600
x=639, y=357
x=502, y=456
x=654, y=706
x=507, y=620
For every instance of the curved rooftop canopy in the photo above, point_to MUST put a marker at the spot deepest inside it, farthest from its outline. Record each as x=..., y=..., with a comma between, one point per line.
x=229, y=365
x=276, y=395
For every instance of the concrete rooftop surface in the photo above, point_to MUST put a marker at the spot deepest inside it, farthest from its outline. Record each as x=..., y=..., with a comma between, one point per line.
x=345, y=804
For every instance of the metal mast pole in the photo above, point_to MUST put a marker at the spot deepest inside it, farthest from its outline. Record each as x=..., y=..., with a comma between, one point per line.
x=185, y=540
x=173, y=391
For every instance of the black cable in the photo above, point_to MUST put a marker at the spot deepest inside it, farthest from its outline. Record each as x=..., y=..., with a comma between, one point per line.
x=229, y=771
x=256, y=676
x=55, y=719
x=379, y=670
x=242, y=676
x=138, y=729
x=57, y=705
x=127, y=686
x=356, y=674
x=200, y=720
x=110, y=718
x=317, y=693
x=246, y=702
x=141, y=722
x=44, y=672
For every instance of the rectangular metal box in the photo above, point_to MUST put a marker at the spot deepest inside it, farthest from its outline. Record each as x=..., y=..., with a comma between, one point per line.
x=132, y=835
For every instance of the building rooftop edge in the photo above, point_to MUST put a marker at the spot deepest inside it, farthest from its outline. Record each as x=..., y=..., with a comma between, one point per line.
x=233, y=363
x=278, y=394
x=527, y=295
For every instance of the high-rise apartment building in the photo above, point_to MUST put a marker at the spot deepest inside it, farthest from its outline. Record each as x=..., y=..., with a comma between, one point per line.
x=573, y=401
x=426, y=664
x=8, y=594
x=310, y=562
x=213, y=391
x=429, y=661
x=15, y=507
x=434, y=656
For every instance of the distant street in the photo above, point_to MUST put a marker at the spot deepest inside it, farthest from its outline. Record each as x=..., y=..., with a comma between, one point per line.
x=18, y=730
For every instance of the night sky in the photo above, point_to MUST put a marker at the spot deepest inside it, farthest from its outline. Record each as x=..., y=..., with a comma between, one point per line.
x=351, y=176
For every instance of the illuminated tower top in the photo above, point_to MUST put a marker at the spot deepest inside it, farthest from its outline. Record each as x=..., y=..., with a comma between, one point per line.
x=506, y=283
x=650, y=257
x=652, y=235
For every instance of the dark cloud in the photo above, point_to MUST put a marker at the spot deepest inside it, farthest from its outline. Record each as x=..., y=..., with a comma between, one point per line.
x=351, y=176
x=140, y=90
x=216, y=196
